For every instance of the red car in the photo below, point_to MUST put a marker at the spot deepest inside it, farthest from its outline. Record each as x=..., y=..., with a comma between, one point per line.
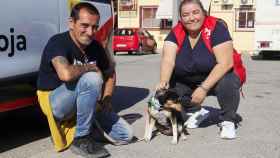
x=133, y=41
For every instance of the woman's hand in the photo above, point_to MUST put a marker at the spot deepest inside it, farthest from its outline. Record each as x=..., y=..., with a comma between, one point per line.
x=198, y=96
x=162, y=85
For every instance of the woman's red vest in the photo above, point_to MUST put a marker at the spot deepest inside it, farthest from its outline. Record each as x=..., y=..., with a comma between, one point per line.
x=206, y=32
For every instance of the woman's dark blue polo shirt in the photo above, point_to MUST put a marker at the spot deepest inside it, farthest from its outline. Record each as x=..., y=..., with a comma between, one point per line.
x=198, y=61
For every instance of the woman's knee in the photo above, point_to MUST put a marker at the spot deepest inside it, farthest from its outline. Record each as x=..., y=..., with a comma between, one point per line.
x=228, y=91
x=229, y=81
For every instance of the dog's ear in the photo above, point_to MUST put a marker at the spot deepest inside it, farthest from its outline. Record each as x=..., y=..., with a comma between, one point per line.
x=166, y=94
x=171, y=94
x=185, y=100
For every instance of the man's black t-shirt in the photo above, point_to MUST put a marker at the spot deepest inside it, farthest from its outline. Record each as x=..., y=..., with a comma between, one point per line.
x=62, y=45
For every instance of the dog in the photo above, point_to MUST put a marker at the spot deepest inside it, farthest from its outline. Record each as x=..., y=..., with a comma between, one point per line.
x=167, y=103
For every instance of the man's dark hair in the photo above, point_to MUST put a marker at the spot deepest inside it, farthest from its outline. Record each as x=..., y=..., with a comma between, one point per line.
x=83, y=5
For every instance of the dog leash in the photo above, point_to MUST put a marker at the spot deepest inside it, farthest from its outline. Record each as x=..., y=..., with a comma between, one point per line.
x=143, y=139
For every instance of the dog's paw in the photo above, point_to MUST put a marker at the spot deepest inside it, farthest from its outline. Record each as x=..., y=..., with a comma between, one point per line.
x=174, y=141
x=147, y=139
x=184, y=137
x=147, y=136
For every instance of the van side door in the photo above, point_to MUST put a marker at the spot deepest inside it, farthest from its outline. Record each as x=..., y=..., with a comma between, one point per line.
x=26, y=26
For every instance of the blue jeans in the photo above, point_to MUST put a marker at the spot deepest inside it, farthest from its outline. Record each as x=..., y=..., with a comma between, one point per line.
x=115, y=126
x=79, y=99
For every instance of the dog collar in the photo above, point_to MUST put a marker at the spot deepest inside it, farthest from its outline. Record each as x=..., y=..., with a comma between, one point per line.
x=154, y=103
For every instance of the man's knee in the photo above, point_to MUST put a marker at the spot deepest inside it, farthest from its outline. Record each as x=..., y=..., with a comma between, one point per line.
x=60, y=115
x=91, y=80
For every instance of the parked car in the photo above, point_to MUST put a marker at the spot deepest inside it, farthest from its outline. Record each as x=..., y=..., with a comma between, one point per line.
x=133, y=41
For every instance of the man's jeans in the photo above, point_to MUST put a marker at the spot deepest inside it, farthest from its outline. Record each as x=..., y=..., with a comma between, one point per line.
x=115, y=126
x=79, y=99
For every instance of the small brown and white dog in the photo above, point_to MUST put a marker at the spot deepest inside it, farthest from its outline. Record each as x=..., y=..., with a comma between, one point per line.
x=165, y=102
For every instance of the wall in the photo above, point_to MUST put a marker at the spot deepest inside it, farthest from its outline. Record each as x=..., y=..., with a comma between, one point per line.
x=243, y=41
x=132, y=20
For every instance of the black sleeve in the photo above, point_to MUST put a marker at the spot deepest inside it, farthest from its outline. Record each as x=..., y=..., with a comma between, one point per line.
x=171, y=37
x=54, y=48
x=102, y=60
x=220, y=34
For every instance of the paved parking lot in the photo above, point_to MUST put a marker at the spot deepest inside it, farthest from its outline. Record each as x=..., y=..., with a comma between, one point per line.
x=25, y=134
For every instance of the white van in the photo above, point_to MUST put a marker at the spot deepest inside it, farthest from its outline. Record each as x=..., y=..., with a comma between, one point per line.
x=267, y=28
x=26, y=26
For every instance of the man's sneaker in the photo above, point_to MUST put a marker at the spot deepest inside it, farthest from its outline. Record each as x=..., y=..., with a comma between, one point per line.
x=196, y=118
x=227, y=130
x=86, y=147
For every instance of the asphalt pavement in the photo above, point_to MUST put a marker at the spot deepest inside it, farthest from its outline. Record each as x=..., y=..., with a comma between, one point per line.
x=25, y=134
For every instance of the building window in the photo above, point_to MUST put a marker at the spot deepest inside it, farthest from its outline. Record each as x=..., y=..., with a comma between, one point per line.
x=148, y=18
x=245, y=20
x=127, y=5
x=227, y=7
x=166, y=23
x=127, y=8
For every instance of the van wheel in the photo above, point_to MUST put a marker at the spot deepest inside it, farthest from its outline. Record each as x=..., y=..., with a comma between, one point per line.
x=130, y=52
x=115, y=52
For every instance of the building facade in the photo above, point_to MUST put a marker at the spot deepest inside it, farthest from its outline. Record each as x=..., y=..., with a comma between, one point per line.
x=239, y=15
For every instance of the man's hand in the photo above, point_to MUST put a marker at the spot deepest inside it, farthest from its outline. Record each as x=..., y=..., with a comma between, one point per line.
x=68, y=72
x=105, y=104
